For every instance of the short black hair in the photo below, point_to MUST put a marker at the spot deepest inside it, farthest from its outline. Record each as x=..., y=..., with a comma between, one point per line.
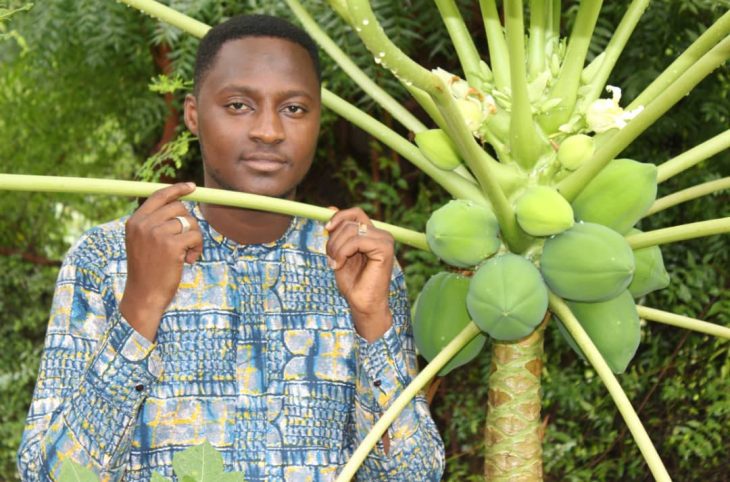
x=242, y=26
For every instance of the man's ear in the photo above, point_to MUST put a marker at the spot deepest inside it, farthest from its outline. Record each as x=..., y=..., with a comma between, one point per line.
x=191, y=114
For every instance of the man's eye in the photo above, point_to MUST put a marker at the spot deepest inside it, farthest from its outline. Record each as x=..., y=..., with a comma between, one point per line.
x=238, y=106
x=295, y=109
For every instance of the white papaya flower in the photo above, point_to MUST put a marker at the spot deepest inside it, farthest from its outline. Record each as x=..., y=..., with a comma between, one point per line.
x=474, y=105
x=605, y=114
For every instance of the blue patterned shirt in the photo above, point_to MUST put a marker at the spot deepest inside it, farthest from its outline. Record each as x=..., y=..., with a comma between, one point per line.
x=256, y=353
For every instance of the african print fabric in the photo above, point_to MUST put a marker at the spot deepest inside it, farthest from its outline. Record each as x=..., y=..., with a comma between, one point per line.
x=256, y=353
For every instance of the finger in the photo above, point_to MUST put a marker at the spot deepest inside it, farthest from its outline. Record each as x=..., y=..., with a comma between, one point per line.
x=337, y=238
x=353, y=214
x=374, y=249
x=193, y=242
x=348, y=229
x=194, y=253
x=165, y=196
x=165, y=213
x=174, y=226
x=347, y=232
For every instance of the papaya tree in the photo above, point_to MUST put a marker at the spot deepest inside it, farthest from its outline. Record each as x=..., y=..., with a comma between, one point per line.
x=542, y=227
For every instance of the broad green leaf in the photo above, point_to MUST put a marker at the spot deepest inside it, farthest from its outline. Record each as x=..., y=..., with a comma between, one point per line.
x=73, y=472
x=202, y=463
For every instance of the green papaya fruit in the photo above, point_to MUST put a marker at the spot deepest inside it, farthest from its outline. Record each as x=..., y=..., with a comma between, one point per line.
x=588, y=262
x=507, y=298
x=438, y=148
x=439, y=315
x=463, y=233
x=575, y=150
x=542, y=211
x=612, y=325
x=619, y=195
x=650, y=274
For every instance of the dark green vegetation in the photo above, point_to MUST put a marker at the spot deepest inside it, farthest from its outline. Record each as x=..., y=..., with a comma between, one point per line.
x=75, y=100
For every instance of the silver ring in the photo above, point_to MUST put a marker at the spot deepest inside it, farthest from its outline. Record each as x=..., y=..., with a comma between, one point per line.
x=184, y=224
x=362, y=229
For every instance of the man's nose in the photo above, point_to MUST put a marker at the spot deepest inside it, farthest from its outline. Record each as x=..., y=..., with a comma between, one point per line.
x=267, y=127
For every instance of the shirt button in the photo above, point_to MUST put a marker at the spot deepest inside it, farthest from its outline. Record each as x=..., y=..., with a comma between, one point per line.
x=139, y=387
x=377, y=383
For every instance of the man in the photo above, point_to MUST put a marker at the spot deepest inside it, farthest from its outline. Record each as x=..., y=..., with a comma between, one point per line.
x=277, y=339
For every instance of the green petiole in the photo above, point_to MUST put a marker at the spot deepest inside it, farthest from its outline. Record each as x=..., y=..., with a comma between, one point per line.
x=566, y=87
x=686, y=322
x=373, y=36
x=684, y=62
x=461, y=38
x=558, y=306
x=572, y=185
x=428, y=372
x=689, y=194
x=539, y=14
x=498, y=55
x=378, y=94
x=455, y=184
x=682, y=232
x=694, y=156
x=77, y=185
x=614, y=48
x=525, y=142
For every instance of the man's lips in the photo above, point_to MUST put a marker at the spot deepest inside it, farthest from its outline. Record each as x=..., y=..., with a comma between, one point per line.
x=264, y=162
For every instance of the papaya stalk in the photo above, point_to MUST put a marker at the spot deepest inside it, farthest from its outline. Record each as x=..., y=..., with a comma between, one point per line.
x=513, y=435
x=78, y=185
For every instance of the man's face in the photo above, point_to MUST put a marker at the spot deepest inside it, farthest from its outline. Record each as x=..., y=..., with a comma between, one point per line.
x=257, y=116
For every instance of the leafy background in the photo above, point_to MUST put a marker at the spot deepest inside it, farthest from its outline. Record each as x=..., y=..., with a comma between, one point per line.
x=75, y=99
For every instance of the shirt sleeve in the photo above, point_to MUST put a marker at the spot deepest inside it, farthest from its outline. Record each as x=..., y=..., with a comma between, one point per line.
x=385, y=368
x=94, y=374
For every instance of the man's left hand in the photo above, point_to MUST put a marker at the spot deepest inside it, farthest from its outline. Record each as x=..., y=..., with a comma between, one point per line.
x=362, y=257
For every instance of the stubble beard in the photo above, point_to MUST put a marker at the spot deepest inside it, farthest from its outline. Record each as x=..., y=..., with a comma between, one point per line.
x=215, y=176
x=223, y=184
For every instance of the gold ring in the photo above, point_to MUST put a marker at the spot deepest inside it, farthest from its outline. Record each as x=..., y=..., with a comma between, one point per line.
x=184, y=224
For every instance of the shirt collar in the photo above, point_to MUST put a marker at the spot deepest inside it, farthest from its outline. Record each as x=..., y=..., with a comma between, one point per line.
x=220, y=240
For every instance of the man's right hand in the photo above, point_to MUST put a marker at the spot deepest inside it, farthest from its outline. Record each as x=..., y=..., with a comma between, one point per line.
x=156, y=252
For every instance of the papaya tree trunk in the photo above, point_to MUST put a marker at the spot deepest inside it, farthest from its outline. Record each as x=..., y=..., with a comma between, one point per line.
x=513, y=432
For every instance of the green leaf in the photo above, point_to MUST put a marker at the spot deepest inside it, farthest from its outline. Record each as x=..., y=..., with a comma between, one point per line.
x=158, y=478
x=73, y=472
x=202, y=463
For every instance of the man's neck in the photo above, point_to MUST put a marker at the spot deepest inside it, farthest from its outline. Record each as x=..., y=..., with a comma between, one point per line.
x=246, y=226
